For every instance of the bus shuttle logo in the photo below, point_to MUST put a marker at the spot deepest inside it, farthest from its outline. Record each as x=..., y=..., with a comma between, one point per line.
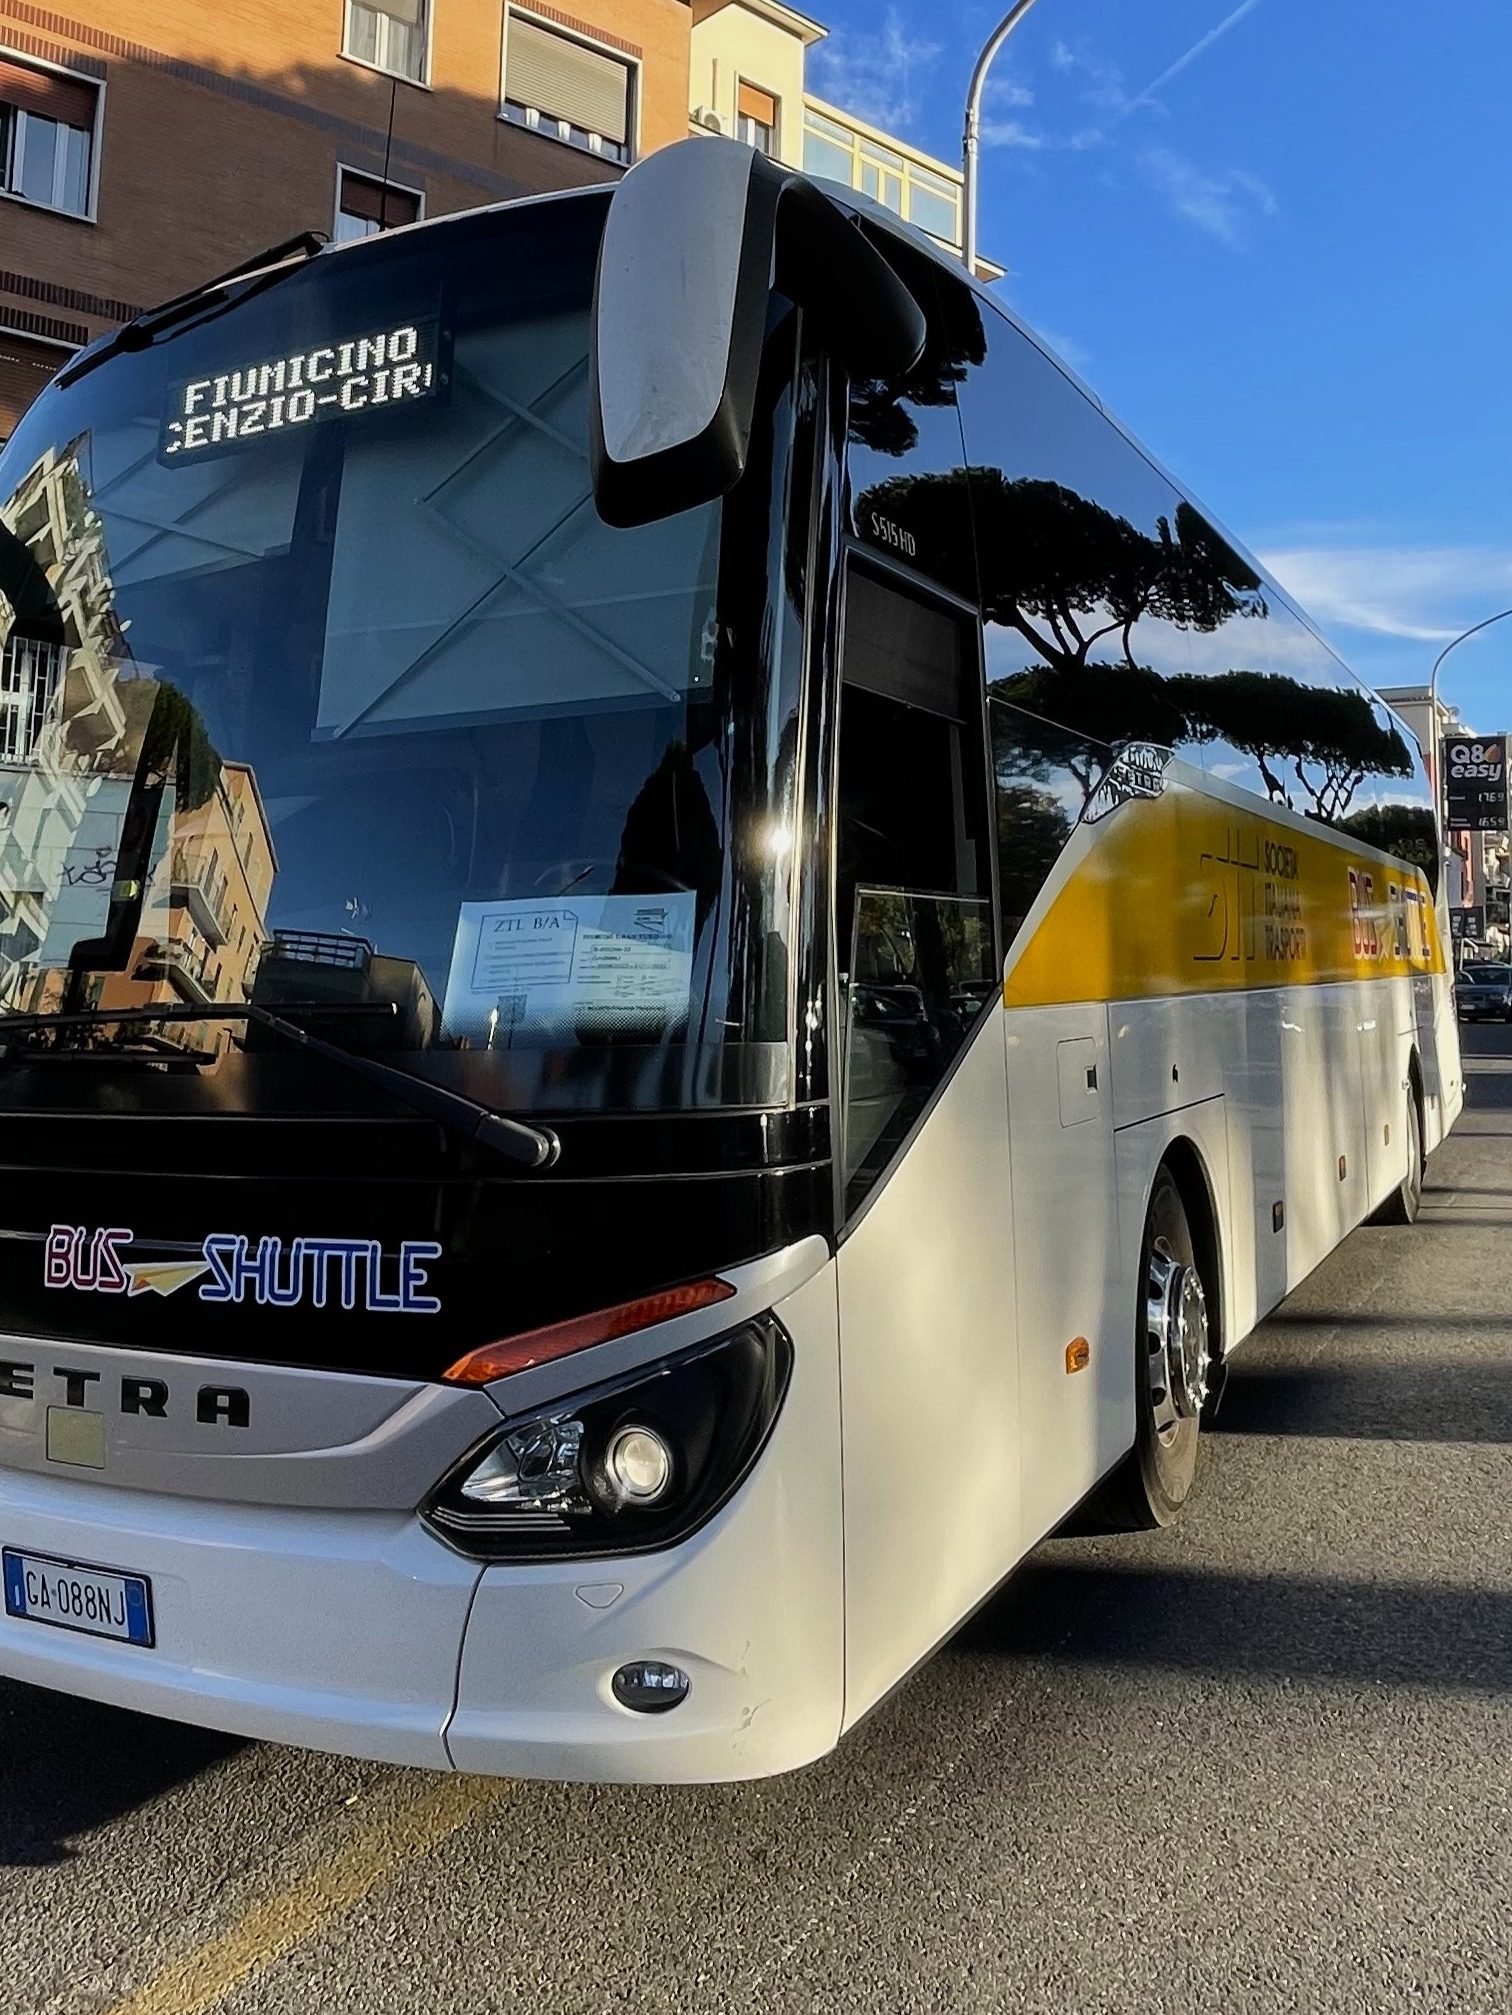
x=341, y=380
x=350, y=1273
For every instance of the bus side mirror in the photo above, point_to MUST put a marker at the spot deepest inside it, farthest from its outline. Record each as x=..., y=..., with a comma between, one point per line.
x=697, y=237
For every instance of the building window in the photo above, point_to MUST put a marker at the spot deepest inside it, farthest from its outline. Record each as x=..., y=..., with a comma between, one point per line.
x=25, y=368
x=756, y=119
x=882, y=176
x=389, y=34
x=934, y=205
x=829, y=150
x=31, y=673
x=842, y=154
x=566, y=88
x=47, y=135
x=365, y=206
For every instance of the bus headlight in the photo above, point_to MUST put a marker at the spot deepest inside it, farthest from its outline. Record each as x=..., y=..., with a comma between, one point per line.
x=623, y=1467
x=638, y=1465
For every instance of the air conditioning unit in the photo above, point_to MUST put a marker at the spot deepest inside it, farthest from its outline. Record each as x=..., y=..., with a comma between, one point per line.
x=709, y=119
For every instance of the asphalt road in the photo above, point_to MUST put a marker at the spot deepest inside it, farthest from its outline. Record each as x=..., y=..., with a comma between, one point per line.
x=1262, y=1761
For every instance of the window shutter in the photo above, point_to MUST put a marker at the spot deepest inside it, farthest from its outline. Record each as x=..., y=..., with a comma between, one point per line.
x=363, y=198
x=410, y=12
x=69, y=100
x=758, y=105
x=565, y=80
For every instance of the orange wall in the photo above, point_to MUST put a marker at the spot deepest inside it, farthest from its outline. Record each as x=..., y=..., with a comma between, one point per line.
x=198, y=171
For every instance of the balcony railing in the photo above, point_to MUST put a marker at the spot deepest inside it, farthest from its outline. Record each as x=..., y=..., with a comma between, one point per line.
x=197, y=887
x=184, y=968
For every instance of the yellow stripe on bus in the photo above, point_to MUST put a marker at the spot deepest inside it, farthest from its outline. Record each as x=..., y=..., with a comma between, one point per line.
x=1186, y=894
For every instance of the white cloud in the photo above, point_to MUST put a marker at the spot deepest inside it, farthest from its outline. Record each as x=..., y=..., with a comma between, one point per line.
x=1423, y=594
x=1011, y=133
x=1252, y=185
x=1099, y=83
x=1007, y=91
x=1219, y=203
x=1189, y=56
x=875, y=75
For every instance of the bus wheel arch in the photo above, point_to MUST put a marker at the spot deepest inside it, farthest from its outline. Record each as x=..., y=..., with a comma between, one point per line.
x=1177, y=1346
x=1199, y=1198
x=1406, y=1200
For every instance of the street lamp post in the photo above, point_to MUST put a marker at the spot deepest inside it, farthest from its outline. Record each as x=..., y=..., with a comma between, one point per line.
x=1436, y=754
x=1473, y=630
x=971, y=144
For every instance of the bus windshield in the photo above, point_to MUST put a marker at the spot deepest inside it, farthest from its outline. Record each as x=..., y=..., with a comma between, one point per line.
x=342, y=692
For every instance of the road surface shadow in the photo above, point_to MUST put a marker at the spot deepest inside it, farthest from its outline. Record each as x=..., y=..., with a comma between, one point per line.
x=1436, y=1219
x=1242, y=1626
x=1469, y=1403
x=68, y=1766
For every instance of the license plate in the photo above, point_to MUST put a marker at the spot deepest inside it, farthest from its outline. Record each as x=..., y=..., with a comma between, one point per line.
x=94, y=1600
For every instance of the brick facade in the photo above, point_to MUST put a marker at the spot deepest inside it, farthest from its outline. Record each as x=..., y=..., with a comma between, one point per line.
x=223, y=126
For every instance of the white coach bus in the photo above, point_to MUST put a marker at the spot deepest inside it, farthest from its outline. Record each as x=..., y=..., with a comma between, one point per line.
x=681, y=951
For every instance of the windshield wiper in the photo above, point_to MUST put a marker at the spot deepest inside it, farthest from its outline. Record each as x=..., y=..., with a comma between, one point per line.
x=138, y=334
x=469, y=1118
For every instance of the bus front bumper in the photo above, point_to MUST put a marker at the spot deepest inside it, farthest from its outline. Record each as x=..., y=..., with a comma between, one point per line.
x=330, y=1630
x=361, y=1633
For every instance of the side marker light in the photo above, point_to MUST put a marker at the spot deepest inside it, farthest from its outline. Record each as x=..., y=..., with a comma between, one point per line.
x=1078, y=1354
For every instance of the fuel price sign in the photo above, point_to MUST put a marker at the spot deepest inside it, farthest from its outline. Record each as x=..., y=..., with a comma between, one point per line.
x=1475, y=783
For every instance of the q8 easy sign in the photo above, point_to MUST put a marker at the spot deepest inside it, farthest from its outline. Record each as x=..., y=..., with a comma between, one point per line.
x=1475, y=783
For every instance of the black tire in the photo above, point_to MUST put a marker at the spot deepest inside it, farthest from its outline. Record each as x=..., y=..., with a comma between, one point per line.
x=1406, y=1200
x=1154, y=1480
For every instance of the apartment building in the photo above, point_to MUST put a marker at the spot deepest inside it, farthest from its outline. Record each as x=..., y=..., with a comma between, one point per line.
x=748, y=80
x=149, y=145
x=146, y=145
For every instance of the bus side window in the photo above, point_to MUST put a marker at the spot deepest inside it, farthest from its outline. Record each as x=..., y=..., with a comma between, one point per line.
x=913, y=898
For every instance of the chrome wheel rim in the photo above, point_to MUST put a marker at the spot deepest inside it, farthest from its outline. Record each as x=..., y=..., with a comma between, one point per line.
x=1176, y=1339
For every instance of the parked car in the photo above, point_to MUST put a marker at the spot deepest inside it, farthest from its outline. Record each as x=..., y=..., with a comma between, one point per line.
x=1484, y=993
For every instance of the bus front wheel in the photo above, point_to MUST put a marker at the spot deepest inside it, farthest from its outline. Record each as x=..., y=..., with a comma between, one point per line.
x=1406, y=1200
x=1172, y=1363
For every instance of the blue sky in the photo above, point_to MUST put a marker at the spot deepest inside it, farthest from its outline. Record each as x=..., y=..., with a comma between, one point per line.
x=1274, y=236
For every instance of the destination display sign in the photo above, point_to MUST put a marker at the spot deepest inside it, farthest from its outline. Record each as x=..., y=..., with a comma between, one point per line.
x=1475, y=783
x=359, y=375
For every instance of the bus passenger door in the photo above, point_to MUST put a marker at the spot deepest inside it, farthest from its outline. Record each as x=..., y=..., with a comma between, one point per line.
x=927, y=1339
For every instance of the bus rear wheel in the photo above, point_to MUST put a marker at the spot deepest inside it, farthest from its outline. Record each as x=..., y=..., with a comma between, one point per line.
x=1172, y=1364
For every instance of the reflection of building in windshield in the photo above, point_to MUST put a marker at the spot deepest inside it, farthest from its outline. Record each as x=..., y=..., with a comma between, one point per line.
x=82, y=727
x=342, y=971
x=219, y=868
x=58, y=706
